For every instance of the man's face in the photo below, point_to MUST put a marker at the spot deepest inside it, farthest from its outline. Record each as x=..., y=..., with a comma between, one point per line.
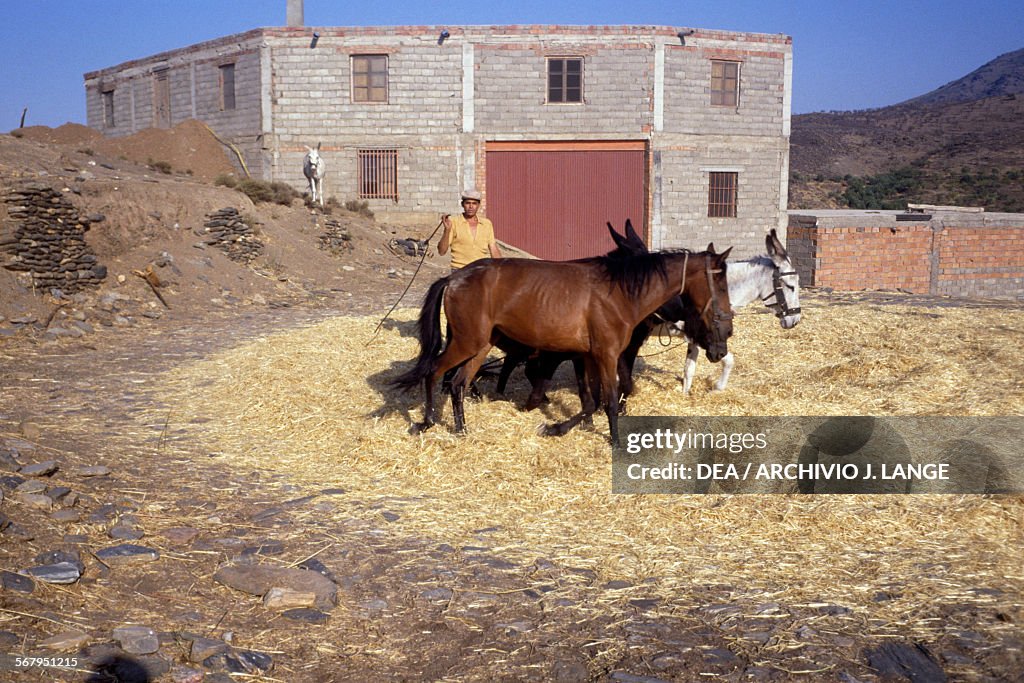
x=470, y=207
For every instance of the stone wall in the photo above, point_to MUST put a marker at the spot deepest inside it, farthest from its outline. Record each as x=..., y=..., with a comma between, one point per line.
x=44, y=235
x=950, y=253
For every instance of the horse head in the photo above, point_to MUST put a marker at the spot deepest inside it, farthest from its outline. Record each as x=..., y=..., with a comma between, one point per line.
x=709, y=321
x=785, y=283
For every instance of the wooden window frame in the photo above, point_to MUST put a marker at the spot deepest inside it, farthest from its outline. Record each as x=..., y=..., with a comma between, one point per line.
x=725, y=87
x=363, y=93
x=107, y=98
x=723, y=191
x=226, y=103
x=377, y=171
x=563, y=88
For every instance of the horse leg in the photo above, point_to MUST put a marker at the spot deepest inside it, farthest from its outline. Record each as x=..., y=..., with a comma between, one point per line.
x=628, y=359
x=539, y=371
x=587, y=398
x=589, y=395
x=460, y=381
x=692, y=352
x=727, y=363
x=320, y=191
x=610, y=390
x=453, y=356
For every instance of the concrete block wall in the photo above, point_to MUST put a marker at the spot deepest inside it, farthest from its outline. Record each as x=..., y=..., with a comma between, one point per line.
x=312, y=102
x=511, y=89
x=957, y=254
x=685, y=165
x=761, y=110
x=195, y=92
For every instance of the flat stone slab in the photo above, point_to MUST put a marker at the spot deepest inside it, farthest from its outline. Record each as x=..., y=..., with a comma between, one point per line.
x=36, y=500
x=16, y=582
x=93, y=471
x=137, y=640
x=180, y=535
x=126, y=554
x=40, y=469
x=61, y=573
x=257, y=580
x=70, y=640
x=286, y=598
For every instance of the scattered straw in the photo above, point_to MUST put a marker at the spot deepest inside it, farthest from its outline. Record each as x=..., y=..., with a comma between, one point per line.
x=313, y=403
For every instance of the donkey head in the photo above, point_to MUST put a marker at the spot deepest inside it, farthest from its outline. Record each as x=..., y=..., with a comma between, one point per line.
x=785, y=283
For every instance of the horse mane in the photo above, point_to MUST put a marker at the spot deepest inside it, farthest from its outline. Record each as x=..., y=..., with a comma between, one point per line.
x=633, y=271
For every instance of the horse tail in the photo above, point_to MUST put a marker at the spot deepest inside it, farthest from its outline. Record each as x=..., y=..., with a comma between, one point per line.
x=430, y=338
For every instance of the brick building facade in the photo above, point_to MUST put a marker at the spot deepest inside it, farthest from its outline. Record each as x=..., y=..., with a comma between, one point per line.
x=562, y=128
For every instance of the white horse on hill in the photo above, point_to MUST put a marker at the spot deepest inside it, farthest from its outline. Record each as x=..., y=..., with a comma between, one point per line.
x=314, y=170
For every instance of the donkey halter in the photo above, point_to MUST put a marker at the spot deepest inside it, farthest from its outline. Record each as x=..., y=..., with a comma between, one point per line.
x=779, y=294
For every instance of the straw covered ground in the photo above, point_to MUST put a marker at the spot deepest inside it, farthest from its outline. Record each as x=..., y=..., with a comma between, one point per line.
x=314, y=402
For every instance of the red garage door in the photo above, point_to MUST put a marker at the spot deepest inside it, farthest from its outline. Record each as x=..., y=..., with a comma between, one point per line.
x=554, y=199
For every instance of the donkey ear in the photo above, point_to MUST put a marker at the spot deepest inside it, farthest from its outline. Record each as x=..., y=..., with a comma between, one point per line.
x=308, y=148
x=775, y=248
x=318, y=146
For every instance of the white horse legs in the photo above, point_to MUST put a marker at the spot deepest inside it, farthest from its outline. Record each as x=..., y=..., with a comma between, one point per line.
x=692, y=352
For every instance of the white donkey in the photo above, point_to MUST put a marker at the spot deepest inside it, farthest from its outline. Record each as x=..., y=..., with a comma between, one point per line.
x=314, y=170
x=770, y=278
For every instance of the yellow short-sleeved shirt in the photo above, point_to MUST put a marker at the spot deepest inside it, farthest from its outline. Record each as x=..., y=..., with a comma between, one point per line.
x=466, y=247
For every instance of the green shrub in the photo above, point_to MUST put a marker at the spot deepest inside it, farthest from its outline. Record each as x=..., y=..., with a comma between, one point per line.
x=162, y=166
x=360, y=207
x=262, y=191
x=225, y=180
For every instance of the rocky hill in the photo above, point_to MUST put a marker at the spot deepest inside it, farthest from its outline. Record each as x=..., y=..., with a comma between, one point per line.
x=960, y=144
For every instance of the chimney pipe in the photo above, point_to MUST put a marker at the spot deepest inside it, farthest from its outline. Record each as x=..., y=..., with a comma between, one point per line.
x=294, y=13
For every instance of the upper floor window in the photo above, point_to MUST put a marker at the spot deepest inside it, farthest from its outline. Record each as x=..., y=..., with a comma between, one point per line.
x=725, y=83
x=369, y=78
x=722, y=194
x=565, y=79
x=108, y=108
x=227, y=86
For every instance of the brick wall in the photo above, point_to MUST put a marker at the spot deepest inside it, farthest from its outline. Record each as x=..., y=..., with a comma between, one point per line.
x=956, y=254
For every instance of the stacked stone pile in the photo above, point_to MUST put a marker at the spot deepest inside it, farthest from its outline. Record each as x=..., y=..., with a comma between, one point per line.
x=45, y=236
x=231, y=234
x=336, y=238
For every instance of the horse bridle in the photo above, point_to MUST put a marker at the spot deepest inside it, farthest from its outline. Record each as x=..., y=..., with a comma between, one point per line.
x=716, y=311
x=779, y=305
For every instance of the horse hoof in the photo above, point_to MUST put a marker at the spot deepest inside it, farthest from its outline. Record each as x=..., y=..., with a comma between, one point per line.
x=419, y=427
x=550, y=430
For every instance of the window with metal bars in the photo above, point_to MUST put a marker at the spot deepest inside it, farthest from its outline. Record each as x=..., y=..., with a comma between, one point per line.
x=227, y=86
x=565, y=80
x=378, y=174
x=369, y=78
x=722, y=194
x=725, y=83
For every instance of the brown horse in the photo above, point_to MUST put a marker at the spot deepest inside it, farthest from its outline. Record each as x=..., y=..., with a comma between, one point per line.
x=589, y=307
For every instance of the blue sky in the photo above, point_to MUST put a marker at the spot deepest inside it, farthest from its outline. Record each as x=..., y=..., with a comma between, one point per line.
x=847, y=55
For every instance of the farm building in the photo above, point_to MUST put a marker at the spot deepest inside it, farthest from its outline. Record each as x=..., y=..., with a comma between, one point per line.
x=685, y=131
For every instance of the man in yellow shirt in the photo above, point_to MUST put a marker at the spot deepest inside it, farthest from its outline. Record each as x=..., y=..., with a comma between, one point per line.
x=470, y=237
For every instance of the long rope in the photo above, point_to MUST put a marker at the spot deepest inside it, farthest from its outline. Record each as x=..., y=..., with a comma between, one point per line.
x=406, y=290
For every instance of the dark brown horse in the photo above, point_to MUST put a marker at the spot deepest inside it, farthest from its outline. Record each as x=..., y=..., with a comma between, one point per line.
x=541, y=366
x=589, y=307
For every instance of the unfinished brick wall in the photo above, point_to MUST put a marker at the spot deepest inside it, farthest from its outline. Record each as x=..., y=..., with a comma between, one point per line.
x=962, y=254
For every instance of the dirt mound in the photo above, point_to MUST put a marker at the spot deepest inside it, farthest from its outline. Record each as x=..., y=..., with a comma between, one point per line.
x=189, y=147
x=68, y=134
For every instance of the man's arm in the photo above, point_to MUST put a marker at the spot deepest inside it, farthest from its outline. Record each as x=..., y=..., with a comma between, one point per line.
x=495, y=253
x=446, y=236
